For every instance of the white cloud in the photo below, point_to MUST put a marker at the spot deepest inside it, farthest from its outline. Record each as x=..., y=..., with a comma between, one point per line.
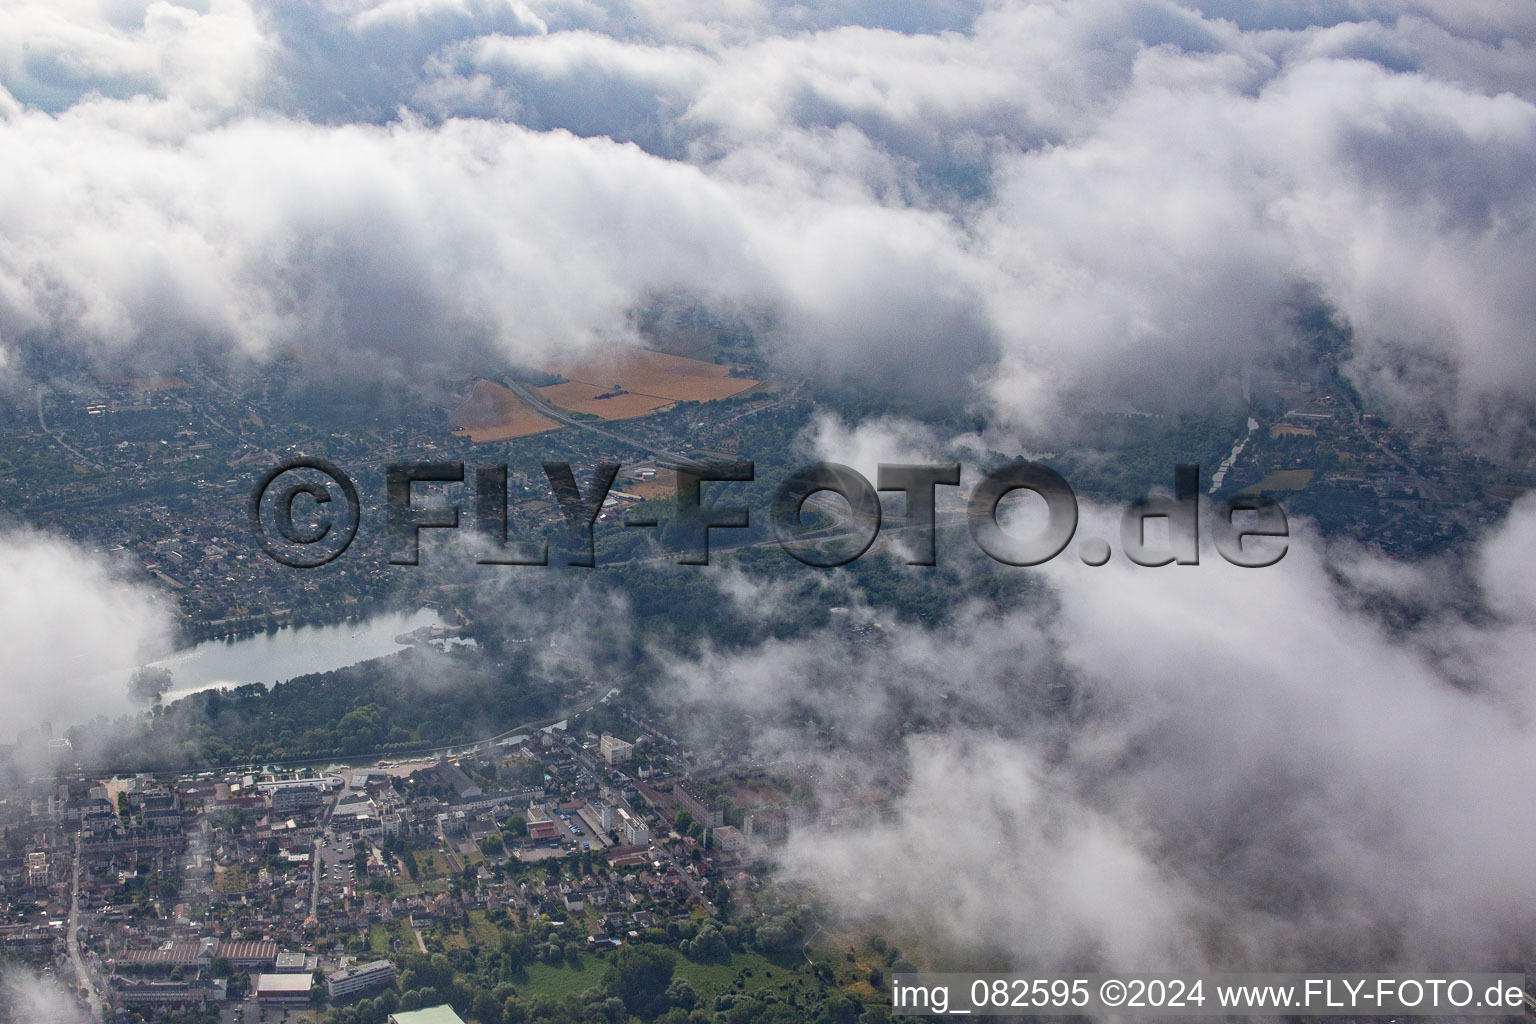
x=1189, y=766
x=56, y=54
x=31, y=1000
x=1034, y=203
x=76, y=626
x=1028, y=206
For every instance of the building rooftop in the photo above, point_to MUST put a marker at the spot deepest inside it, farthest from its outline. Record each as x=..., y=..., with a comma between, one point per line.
x=359, y=969
x=431, y=1015
x=272, y=984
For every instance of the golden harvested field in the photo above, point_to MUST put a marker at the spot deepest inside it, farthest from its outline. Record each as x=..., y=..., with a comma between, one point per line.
x=579, y=397
x=495, y=413
x=664, y=485
x=652, y=380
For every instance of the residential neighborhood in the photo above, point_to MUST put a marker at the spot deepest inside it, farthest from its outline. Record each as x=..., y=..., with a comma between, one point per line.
x=249, y=895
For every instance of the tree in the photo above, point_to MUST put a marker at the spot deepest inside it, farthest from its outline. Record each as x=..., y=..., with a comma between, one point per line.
x=639, y=975
x=484, y=1009
x=709, y=945
x=681, y=994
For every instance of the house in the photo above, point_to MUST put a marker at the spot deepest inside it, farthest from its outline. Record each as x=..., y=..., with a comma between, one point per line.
x=728, y=839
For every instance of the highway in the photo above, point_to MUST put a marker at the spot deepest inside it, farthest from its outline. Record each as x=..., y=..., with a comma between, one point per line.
x=544, y=408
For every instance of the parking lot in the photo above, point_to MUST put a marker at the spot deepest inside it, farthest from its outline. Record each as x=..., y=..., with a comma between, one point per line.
x=336, y=868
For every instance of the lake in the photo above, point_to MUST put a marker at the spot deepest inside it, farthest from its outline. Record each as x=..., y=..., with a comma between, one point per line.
x=289, y=652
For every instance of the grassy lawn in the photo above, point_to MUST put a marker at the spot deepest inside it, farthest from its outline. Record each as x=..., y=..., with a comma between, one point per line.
x=562, y=981
x=752, y=970
x=378, y=939
x=853, y=977
x=1283, y=480
x=482, y=933
x=451, y=938
x=430, y=864
x=744, y=972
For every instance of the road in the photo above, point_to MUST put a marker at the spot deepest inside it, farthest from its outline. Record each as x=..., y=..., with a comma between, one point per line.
x=76, y=452
x=664, y=455
x=316, y=864
x=526, y=394
x=1426, y=490
x=82, y=971
x=361, y=760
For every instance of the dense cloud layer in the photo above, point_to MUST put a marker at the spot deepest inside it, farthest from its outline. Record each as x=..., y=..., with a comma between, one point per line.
x=1312, y=765
x=75, y=628
x=1018, y=205
x=1192, y=766
x=1014, y=203
x=28, y=999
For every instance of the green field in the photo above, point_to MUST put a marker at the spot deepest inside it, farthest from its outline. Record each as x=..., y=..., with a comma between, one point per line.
x=380, y=934
x=744, y=972
x=1283, y=480
x=748, y=972
x=430, y=864
x=482, y=933
x=562, y=981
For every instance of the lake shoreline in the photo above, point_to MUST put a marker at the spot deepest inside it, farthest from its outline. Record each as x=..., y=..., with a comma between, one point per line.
x=267, y=658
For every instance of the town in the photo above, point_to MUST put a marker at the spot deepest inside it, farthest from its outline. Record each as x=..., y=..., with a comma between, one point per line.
x=249, y=896
x=339, y=850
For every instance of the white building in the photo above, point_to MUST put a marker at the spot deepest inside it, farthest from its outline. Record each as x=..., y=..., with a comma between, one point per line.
x=349, y=981
x=615, y=750
x=634, y=831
